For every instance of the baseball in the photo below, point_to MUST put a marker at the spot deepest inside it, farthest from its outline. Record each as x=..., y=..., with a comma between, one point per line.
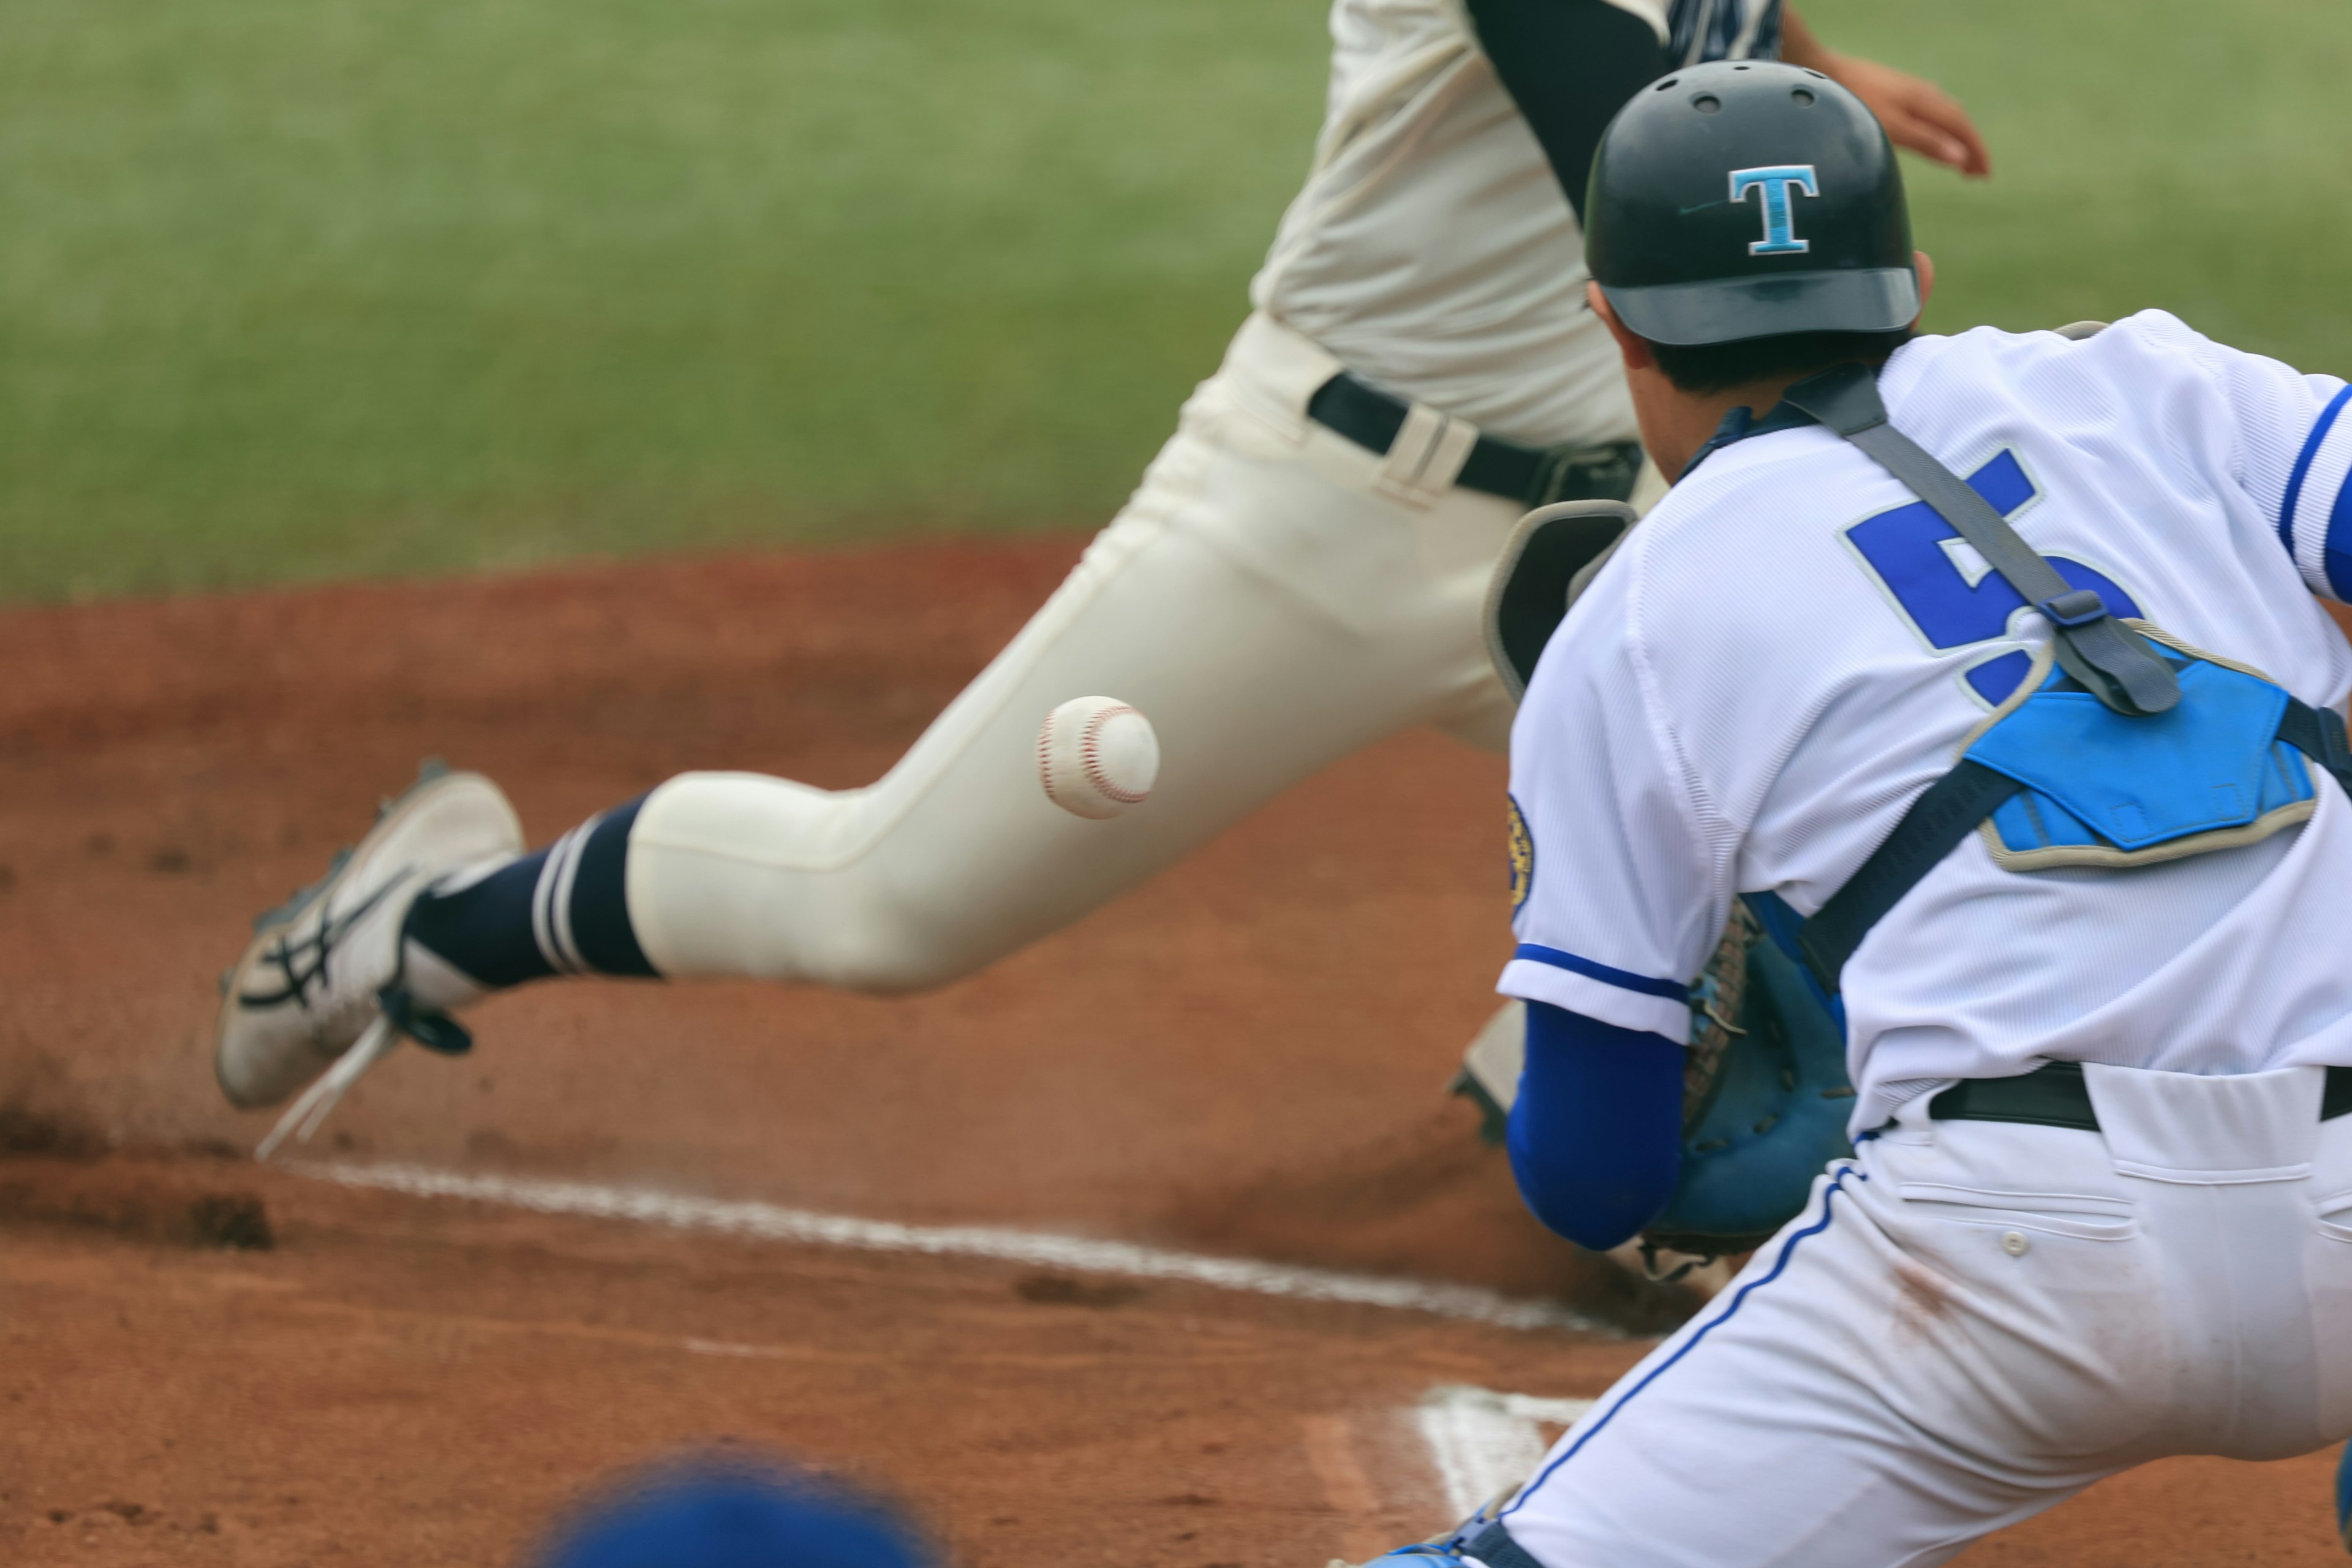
x=1098, y=757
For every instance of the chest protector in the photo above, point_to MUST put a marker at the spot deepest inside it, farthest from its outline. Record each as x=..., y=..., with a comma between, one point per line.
x=2124, y=746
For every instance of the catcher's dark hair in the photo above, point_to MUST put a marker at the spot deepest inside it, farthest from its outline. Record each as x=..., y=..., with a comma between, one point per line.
x=1702, y=368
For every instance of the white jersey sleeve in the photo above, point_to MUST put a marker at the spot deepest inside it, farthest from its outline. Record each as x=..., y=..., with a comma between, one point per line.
x=2294, y=448
x=1621, y=874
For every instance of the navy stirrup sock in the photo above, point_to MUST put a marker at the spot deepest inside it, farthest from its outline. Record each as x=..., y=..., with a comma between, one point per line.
x=563, y=909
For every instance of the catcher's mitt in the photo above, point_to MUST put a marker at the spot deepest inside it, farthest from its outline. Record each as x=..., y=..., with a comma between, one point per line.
x=1765, y=1099
x=1714, y=1003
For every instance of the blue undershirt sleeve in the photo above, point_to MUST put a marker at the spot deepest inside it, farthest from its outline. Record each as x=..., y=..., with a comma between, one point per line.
x=1596, y=1132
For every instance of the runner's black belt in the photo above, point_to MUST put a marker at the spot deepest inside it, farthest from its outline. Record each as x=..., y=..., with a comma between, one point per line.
x=2055, y=1095
x=1532, y=475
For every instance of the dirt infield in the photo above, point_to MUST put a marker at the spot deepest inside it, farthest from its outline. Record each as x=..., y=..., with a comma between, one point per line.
x=217, y=1362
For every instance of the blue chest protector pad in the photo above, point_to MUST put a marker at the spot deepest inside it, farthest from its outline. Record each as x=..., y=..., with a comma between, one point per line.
x=2103, y=788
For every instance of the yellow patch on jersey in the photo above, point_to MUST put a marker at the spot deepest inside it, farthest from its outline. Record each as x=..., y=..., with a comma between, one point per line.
x=1523, y=858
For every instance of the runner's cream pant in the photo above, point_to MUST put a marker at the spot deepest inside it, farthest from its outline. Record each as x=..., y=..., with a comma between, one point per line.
x=1273, y=597
x=1976, y=1319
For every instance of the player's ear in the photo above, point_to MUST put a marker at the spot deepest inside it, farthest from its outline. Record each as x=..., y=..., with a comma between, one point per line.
x=1633, y=350
x=1926, y=265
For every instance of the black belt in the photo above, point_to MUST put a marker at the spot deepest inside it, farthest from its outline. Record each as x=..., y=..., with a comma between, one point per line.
x=1532, y=475
x=2055, y=1095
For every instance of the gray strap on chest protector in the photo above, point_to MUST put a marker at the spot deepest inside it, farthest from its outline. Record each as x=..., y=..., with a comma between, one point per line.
x=2110, y=659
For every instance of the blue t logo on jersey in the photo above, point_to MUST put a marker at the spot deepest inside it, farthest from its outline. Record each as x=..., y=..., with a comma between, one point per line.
x=1779, y=218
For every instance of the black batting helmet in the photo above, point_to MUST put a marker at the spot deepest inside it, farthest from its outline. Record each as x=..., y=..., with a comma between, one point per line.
x=1746, y=199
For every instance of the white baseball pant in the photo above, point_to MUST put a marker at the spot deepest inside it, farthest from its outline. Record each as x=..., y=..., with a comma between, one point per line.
x=1972, y=1321
x=1273, y=597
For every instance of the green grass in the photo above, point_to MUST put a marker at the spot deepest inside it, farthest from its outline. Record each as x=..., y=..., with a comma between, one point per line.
x=292, y=288
x=2171, y=154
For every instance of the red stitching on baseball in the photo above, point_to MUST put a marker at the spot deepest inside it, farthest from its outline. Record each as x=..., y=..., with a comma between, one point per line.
x=1090, y=758
x=1045, y=761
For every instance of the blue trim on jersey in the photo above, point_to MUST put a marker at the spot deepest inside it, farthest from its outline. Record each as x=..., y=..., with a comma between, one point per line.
x=1624, y=980
x=1788, y=1249
x=2336, y=550
x=2311, y=446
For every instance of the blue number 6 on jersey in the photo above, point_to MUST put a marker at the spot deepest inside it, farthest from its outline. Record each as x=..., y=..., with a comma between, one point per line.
x=1908, y=549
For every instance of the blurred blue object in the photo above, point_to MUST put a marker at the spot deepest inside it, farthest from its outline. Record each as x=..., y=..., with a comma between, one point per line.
x=2344, y=1498
x=730, y=1514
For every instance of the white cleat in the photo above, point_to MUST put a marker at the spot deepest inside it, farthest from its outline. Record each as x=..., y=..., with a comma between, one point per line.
x=323, y=971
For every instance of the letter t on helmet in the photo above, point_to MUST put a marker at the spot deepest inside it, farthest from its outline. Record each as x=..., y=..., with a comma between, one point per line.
x=1687, y=169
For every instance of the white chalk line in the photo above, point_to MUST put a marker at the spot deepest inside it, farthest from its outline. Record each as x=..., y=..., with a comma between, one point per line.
x=1484, y=1443
x=1042, y=1249
x=727, y=1348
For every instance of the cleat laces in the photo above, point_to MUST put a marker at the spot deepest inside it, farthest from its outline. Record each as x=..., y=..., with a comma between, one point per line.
x=306, y=968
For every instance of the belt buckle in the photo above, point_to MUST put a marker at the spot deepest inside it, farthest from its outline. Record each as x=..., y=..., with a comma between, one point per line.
x=1558, y=466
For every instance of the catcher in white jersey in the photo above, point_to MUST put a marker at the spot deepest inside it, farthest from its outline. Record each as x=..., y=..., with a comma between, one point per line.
x=1987, y=669
x=1298, y=575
